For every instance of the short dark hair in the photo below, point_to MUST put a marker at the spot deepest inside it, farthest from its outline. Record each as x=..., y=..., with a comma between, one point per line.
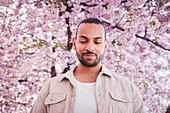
x=91, y=21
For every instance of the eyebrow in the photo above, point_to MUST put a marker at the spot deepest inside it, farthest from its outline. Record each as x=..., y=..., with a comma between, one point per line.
x=87, y=38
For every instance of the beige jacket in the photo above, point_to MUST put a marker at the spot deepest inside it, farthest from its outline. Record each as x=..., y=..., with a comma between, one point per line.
x=114, y=94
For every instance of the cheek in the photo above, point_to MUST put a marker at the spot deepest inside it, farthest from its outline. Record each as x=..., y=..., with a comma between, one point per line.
x=100, y=49
x=80, y=47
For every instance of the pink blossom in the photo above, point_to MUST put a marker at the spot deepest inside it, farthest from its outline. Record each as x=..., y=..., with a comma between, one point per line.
x=32, y=31
x=163, y=18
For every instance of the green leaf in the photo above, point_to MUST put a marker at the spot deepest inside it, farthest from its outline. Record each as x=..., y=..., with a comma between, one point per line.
x=34, y=45
x=41, y=45
x=20, y=51
x=125, y=70
x=161, y=4
x=116, y=52
x=10, y=66
x=153, y=23
x=34, y=40
x=24, y=40
x=127, y=8
x=130, y=14
x=140, y=71
x=119, y=44
x=25, y=48
x=67, y=49
x=151, y=47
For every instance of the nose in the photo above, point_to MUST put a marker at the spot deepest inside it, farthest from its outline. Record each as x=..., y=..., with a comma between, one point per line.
x=90, y=47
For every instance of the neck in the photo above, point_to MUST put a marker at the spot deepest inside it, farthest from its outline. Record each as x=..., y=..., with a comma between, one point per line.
x=87, y=74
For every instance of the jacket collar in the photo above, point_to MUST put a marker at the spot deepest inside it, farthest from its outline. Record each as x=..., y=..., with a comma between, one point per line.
x=69, y=74
x=106, y=71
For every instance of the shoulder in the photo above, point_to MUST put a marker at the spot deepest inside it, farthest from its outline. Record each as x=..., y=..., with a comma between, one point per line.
x=121, y=83
x=59, y=79
x=51, y=83
x=122, y=87
x=56, y=79
x=121, y=79
x=115, y=80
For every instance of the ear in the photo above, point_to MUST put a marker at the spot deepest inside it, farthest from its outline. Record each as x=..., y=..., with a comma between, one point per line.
x=106, y=45
x=74, y=43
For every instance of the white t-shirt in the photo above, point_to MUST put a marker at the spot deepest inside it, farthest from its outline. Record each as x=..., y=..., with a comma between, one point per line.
x=85, y=98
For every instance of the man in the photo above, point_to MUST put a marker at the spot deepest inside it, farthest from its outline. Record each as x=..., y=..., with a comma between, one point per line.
x=90, y=87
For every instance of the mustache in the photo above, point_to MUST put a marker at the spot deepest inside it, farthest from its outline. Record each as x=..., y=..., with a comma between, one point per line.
x=89, y=52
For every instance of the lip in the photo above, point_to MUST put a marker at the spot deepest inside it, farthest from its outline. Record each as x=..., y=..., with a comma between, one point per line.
x=90, y=56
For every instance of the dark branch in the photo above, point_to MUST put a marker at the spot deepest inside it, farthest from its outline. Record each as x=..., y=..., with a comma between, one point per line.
x=20, y=81
x=120, y=28
x=124, y=1
x=145, y=32
x=84, y=10
x=146, y=3
x=69, y=33
x=85, y=4
x=116, y=26
x=69, y=44
x=22, y=103
x=41, y=70
x=25, y=80
x=152, y=42
x=2, y=48
x=153, y=12
x=30, y=53
x=53, y=72
x=139, y=45
x=37, y=2
x=121, y=19
x=66, y=68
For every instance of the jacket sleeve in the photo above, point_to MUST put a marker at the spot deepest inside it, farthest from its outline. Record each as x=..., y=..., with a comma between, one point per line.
x=138, y=104
x=39, y=106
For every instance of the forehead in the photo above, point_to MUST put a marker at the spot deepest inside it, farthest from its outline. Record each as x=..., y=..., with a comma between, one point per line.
x=91, y=30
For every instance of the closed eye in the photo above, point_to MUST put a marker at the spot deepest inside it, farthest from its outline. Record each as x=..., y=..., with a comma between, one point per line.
x=83, y=41
x=97, y=42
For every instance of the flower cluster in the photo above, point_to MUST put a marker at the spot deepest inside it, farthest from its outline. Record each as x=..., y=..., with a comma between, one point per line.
x=36, y=37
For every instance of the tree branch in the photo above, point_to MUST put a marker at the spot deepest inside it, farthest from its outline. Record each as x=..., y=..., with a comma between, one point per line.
x=121, y=19
x=85, y=4
x=67, y=68
x=68, y=9
x=29, y=53
x=123, y=1
x=146, y=2
x=144, y=38
x=53, y=72
x=22, y=103
x=116, y=26
x=37, y=2
x=120, y=28
x=152, y=42
x=69, y=44
x=2, y=48
x=25, y=80
x=84, y=10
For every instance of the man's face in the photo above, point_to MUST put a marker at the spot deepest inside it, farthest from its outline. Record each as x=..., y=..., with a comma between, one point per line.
x=90, y=44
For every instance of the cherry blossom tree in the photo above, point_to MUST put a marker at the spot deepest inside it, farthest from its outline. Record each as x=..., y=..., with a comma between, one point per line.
x=35, y=44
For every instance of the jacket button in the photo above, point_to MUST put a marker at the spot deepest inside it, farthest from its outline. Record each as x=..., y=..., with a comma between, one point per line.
x=51, y=99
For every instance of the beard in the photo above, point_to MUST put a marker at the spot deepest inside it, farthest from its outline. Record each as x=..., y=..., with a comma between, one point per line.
x=88, y=62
